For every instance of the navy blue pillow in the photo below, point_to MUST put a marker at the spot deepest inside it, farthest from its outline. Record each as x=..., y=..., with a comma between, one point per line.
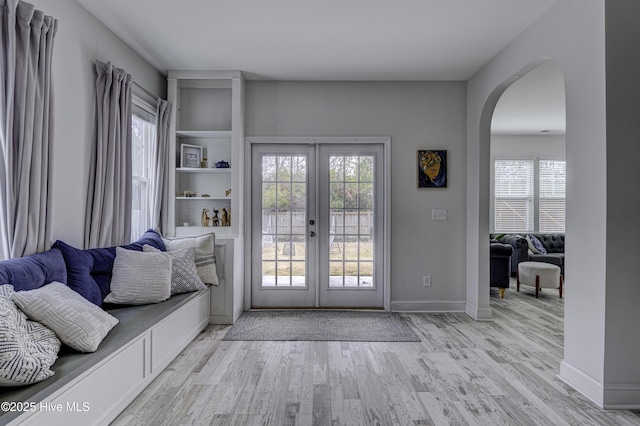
x=34, y=271
x=89, y=271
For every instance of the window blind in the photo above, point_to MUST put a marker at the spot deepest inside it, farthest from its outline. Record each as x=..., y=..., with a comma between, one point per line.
x=514, y=196
x=552, y=193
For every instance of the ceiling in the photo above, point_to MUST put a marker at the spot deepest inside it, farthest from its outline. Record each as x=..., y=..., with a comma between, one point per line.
x=320, y=40
x=376, y=40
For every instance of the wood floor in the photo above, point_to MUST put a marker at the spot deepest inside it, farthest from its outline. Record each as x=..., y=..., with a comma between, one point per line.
x=463, y=372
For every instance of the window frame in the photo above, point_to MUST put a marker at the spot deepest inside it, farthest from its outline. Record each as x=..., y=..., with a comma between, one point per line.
x=536, y=206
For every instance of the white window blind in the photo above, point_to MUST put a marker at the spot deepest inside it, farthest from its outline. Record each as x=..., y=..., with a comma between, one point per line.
x=552, y=192
x=514, y=196
x=143, y=129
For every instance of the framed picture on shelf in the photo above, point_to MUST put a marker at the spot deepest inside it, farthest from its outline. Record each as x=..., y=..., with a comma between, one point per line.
x=190, y=155
x=432, y=168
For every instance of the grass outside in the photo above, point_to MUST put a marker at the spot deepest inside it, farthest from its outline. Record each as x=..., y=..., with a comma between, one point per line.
x=344, y=257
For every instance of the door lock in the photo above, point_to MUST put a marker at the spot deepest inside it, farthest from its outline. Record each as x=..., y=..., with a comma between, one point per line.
x=312, y=233
x=312, y=222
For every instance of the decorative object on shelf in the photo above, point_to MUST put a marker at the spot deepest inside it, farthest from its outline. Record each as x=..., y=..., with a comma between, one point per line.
x=205, y=195
x=215, y=220
x=222, y=164
x=185, y=224
x=203, y=163
x=432, y=168
x=227, y=192
x=190, y=194
x=190, y=155
x=226, y=217
x=204, y=221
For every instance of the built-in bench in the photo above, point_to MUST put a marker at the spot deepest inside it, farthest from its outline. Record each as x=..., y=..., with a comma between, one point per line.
x=93, y=388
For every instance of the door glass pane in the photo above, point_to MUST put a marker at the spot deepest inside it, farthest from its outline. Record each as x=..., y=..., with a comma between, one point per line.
x=351, y=236
x=284, y=217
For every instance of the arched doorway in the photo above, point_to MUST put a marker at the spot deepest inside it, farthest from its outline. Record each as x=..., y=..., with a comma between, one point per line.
x=527, y=165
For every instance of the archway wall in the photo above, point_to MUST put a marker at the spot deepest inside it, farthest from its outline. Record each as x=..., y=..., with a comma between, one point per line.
x=572, y=33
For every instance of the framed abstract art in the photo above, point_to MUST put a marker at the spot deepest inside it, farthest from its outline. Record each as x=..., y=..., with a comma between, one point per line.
x=432, y=168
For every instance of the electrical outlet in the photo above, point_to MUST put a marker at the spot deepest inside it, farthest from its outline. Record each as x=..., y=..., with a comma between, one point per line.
x=426, y=281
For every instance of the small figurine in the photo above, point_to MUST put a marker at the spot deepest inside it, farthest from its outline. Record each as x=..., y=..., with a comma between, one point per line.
x=205, y=218
x=222, y=164
x=215, y=219
x=227, y=192
x=226, y=218
x=203, y=163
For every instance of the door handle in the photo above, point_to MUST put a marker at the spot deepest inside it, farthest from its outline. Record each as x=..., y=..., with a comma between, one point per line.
x=312, y=233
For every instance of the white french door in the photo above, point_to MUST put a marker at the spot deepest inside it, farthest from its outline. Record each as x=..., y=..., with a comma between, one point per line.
x=317, y=225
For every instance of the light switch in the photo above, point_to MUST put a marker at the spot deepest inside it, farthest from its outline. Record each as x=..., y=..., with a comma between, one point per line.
x=440, y=214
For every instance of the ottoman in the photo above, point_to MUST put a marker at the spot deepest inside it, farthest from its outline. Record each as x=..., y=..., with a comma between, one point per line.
x=539, y=275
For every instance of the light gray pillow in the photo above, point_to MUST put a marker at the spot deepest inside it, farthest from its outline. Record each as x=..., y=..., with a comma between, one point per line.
x=77, y=322
x=184, y=277
x=140, y=278
x=27, y=349
x=205, y=257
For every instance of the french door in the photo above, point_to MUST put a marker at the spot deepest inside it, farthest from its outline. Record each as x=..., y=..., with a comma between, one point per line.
x=317, y=226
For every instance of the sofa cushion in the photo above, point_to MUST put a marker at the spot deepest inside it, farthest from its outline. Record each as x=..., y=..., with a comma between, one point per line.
x=89, y=271
x=27, y=349
x=184, y=276
x=205, y=254
x=535, y=245
x=34, y=271
x=77, y=322
x=140, y=278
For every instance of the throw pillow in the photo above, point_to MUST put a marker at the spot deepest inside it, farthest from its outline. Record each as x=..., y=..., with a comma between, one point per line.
x=77, y=322
x=205, y=255
x=535, y=245
x=184, y=277
x=140, y=278
x=89, y=271
x=27, y=349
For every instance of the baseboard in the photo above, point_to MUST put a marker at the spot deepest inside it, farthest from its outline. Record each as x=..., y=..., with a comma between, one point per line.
x=582, y=382
x=428, y=306
x=478, y=314
x=622, y=397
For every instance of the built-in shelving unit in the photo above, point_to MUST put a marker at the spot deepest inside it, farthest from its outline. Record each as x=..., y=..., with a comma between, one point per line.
x=208, y=110
x=208, y=117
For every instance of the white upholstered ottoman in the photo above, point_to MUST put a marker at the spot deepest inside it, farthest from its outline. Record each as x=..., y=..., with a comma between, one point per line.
x=539, y=275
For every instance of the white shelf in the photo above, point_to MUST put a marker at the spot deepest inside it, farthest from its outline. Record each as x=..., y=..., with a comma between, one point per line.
x=203, y=198
x=204, y=134
x=220, y=231
x=203, y=170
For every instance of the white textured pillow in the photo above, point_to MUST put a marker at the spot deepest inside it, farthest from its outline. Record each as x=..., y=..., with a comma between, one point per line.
x=205, y=255
x=78, y=323
x=140, y=278
x=27, y=349
x=184, y=277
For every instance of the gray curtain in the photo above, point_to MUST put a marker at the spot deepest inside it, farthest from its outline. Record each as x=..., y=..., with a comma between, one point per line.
x=161, y=157
x=108, y=218
x=26, y=128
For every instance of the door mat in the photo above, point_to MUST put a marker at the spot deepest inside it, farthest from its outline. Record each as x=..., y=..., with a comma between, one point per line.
x=311, y=325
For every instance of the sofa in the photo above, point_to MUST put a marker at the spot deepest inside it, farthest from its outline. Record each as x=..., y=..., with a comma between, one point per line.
x=525, y=251
x=500, y=265
x=94, y=387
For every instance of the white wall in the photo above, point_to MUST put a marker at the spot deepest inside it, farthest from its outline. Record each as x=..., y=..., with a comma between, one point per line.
x=416, y=116
x=81, y=39
x=601, y=282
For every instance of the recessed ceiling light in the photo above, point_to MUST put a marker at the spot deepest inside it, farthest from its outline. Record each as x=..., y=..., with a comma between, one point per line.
x=545, y=131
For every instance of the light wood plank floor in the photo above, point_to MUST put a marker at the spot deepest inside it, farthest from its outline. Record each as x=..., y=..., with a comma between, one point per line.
x=463, y=372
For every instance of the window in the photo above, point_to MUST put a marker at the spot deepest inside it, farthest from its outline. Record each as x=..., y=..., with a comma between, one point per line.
x=529, y=197
x=552, y=195
x=143, y=130
x=513, y=208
